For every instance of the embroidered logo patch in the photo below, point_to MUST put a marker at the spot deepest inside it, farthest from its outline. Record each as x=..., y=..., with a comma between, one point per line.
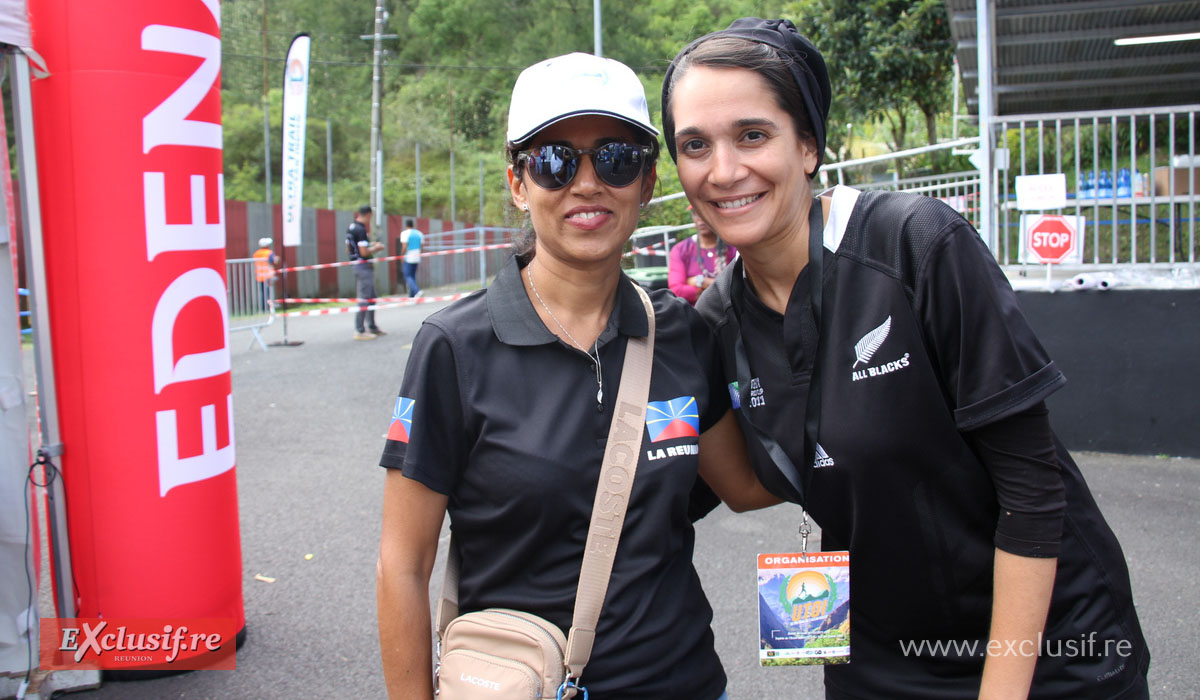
x=758, y=397
x=676, y=418
x=865, y=349
x=869, y=343
x=822, y=459
x=401, y=420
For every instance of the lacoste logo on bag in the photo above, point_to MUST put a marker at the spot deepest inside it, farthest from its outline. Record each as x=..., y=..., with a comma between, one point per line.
x=870, y=343
x=481, y=682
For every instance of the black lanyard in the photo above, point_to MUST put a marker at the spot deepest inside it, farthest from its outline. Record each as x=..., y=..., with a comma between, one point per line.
x=812, y=414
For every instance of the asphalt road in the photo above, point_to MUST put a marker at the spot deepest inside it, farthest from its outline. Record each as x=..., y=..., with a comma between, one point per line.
x=310, y=422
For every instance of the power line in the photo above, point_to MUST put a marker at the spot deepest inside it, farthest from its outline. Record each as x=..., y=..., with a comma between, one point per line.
x=651, y=70
x=315, y=35
x=431, y=66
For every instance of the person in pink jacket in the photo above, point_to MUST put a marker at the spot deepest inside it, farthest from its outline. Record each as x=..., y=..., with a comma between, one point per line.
x=696, y=261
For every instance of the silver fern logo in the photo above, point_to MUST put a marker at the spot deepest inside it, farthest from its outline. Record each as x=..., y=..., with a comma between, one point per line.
x=865, y=348
x=864, y=352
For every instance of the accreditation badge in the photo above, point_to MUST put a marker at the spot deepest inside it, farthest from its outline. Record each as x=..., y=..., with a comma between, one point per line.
x=804, y=608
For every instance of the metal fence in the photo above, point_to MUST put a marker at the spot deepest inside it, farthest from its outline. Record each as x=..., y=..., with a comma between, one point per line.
x=462, y=258
x=250, y=301
x=958, y=189
x=1131, y=173
x=1134, y=175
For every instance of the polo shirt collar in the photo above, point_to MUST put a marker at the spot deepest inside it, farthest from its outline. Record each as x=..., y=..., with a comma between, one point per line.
x=516, y=322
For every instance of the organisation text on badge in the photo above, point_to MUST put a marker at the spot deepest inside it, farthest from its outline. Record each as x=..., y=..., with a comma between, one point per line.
x=804, y=608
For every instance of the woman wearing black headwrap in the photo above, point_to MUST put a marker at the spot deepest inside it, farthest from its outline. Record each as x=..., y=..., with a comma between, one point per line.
x=890, y=385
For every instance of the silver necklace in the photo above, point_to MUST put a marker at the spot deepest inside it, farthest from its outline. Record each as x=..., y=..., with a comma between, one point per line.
x=594, y=358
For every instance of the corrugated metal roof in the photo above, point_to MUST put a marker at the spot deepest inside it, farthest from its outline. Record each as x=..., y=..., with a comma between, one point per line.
x=1059, y=55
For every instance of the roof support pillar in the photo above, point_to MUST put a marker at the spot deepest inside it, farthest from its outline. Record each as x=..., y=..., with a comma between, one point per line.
x=985, y=33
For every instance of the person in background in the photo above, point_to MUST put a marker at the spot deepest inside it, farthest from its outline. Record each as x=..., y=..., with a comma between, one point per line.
x=509, y=393
x=900, y=398
x=410, y=247
x=361, y=248
x=264, y=270
x=696, y=261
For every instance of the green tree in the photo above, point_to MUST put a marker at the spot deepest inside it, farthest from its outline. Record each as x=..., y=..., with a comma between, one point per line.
x=447, y=78
x=885, y=57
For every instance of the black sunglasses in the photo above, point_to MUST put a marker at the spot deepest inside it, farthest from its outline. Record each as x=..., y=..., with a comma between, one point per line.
x=617, y=164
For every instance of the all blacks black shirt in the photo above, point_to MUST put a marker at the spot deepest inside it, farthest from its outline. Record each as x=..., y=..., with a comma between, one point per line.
x=922, y=340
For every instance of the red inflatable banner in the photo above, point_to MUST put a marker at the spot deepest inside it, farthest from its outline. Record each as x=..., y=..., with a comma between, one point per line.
x=128, y=129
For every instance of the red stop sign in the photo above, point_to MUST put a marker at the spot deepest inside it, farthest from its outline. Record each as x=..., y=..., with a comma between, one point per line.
x=1051, y=238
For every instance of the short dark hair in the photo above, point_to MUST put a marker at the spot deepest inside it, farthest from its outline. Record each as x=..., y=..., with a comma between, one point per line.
x=364, y=209
x=735, y=52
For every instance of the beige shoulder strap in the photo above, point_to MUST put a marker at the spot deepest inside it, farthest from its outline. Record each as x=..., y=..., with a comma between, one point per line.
x=616, y=481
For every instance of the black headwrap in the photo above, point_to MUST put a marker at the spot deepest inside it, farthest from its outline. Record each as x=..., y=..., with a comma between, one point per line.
x=807, y=66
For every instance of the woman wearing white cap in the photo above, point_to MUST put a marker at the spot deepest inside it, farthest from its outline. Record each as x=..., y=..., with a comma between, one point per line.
x=505, y=408
x=901, y=401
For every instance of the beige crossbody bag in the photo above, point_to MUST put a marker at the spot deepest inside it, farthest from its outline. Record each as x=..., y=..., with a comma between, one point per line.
x=502, y=654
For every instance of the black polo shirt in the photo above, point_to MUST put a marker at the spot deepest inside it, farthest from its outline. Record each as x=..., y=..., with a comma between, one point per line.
x=502, y=416
x=922, y=340
x=356, y=233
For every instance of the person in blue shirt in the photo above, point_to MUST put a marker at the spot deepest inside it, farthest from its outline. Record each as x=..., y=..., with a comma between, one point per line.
x=410, y=248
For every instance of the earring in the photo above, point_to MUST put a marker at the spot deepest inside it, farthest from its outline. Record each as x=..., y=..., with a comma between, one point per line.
x=525, y=207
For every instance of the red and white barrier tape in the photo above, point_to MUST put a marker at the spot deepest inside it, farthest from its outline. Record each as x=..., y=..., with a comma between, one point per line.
x=333, y=300
x=494, y=246
x=324, y=266
x=374, y=307
x=647, y=251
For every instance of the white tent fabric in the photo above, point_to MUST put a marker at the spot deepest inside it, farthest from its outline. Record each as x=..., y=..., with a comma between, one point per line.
x=14, y=457
x=14, y=24
x=14, y=31
x=15, y=615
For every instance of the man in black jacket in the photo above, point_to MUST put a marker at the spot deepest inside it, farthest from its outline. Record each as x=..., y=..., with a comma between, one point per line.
x=361, y=248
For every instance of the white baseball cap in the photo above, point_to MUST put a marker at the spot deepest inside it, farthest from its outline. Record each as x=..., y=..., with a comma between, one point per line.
x=264, y=242
x=572, y=85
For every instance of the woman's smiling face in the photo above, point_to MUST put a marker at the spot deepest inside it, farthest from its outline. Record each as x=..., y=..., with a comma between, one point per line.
x=586, y=221
x=741, y=162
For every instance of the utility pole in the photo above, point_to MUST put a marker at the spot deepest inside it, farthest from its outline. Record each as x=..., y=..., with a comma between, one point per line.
x=266, y=104
x=381, y=16
x=378, y=37
x=984, y=17
x=596, y=27
x=329, y=158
